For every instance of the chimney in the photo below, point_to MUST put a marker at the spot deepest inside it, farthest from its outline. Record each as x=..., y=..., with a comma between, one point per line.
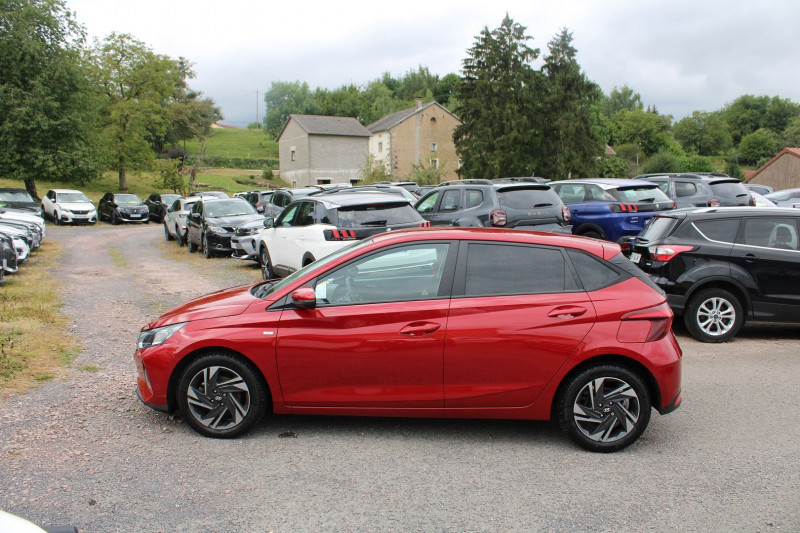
x=418, y=101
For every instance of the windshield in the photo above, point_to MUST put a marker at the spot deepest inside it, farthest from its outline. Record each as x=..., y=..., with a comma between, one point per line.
x=639, y=194
x=73, y=197
x=229, y=208
x=16, y=196
x=782, y=195
x=270, y=287
x=127, y=199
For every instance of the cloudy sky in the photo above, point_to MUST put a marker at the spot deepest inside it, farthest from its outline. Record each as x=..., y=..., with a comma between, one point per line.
x=681, y=55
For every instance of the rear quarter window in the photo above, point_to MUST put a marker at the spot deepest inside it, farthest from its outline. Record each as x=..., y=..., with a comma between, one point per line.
x=658, y=228
x=723, y=230
x=593, y=272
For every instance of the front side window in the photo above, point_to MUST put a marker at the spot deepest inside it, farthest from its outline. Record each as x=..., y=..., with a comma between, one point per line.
x=287, y=217
x=427, y=205
x=494, y=269
x=401, y=273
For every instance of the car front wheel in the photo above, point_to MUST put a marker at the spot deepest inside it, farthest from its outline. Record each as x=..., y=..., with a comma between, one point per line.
x=206, y=248
x=604, y=408
x=266, y=265
x=714, y=315
x=221, y=395
x=167, y=234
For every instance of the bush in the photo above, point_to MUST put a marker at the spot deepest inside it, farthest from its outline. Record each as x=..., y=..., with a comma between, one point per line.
x=662, y=162
x=612, y=167
x=236, y=162
x=697, y=163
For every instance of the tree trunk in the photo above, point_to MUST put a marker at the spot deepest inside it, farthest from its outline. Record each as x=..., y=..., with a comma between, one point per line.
x=30, y=186
x=123, y=178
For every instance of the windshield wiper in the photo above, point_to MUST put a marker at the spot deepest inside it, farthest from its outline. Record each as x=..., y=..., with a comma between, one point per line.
x=542, y=205
x=647, y=199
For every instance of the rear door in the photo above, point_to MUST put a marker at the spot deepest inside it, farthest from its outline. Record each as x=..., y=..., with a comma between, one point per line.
x=768, y=248
x=516, y=316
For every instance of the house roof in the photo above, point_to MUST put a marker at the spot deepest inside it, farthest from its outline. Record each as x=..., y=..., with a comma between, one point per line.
x=390, y=121
x=791, y=151
x=324, y=125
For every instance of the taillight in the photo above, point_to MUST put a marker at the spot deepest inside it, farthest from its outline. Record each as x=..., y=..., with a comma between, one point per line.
x=566, y=214
x=623, y=208
x=713, y=202
x=645, y=325
x=498, y=218
x=339, y=234
x=666, y=253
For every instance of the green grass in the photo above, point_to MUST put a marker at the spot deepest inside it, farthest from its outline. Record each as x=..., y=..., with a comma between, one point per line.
x=230, y=142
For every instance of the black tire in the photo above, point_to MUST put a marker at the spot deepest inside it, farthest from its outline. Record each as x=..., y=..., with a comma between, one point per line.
x=115, y=218
x=593, y=234
x=227, y=411
x=714, y=315
x=206, y=248
x=604, y=408
x=56, y=220
x=189, y=244
x=181, y=236
x=266, y=266
x=167, y=234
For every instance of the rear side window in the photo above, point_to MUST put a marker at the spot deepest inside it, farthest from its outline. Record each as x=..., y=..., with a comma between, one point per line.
x=592, y=271
x=527, y=198
x=494, y=269
x=474, y=198
x=378, y=215
x=723, y=230
x=685, y=188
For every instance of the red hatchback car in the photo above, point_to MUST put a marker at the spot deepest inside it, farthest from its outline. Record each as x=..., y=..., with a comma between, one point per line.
x=470, y=323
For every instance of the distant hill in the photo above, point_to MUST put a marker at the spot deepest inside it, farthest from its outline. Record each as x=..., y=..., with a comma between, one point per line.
x=238, y=148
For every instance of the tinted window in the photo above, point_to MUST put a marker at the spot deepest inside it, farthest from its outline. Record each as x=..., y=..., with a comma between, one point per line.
x=474, y=198
x=729, y=189
x=593, y=272
x=229, y=208
x=724, y=230
x=527, y=198
x=571, y=193
x=427, y=204
x=657, y=228
x=780, y=233
x=639, y=194
x=684, y=188
x=494, y=269
x=450, y=201
x=377, y=215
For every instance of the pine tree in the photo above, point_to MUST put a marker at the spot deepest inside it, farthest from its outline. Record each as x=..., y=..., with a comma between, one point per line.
x=496, y=103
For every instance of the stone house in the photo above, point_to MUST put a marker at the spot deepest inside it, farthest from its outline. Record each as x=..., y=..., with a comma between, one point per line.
x=422, y=134
x=315, y=150
x=780, y=172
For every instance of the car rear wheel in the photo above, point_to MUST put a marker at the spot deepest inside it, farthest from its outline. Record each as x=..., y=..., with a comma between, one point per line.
x=604, y=408
x=167, y=234
x=266, y=266
x=189, y=244
x=221, y=395
x=714, y=315
x=593, y=234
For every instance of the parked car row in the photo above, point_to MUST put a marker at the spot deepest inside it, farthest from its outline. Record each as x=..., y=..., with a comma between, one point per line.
x=22, y=229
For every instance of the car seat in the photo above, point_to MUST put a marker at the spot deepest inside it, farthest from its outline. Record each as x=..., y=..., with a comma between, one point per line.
x=783, y=237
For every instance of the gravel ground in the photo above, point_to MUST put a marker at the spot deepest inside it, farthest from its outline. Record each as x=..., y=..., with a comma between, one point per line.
x=84, y=451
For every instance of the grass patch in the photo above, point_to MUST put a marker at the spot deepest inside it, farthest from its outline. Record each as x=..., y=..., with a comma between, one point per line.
x=33, y=345
x=117, y=257
x=88, y=368
x=239, y=143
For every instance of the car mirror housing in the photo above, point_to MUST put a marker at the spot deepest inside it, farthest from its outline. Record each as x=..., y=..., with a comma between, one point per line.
x=304, y=298
x=269, y=222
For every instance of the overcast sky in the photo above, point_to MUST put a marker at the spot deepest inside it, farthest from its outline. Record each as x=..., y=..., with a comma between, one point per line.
x=681, y=56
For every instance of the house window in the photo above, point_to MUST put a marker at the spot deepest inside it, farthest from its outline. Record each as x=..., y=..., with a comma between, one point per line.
x=434, y=147
x=292, y=155
x=380, y=147
x=434, y=162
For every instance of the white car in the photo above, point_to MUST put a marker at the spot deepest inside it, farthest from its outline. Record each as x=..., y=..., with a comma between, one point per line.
x=317, y=225
x=175, y=219
x=68, y=206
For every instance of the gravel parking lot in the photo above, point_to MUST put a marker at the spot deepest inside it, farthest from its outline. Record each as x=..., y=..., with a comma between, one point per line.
x=84, y=451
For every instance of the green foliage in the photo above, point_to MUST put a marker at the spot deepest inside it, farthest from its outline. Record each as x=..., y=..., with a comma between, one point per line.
x=622, y=99
x=570, y=107
x=697, y=163
x=425, y=175
x=497, y=105
x=47, y=107
x=703, y=133
x=446, y=89
x=372, y=172
x=237, y=144
x=170, y=177
x=757, y=146
x=662, y=162
x=648, y=130
x=612, y=167
x=791, y=135
x=255, y=126
x=732, y=167
x=284, y=98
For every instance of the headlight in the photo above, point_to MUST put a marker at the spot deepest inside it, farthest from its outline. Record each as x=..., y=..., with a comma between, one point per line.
x=64, y=210
x=248, y=231
x=156, y=336
x=217, y=229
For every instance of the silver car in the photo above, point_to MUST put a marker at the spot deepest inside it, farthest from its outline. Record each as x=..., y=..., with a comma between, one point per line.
x=175, y=219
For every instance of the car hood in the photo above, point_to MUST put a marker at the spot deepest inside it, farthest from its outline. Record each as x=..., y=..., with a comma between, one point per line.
x=76, y=205
x=227, y=302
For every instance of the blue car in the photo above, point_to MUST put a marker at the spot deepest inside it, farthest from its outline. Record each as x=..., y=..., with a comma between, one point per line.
x=611, y=209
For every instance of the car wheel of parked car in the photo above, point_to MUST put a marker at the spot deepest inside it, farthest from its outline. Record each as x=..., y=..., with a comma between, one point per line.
x=604, y=408
x=221, y=395
x=167, y=234
x=593, y=234
x=266, y=266
x=115, y=218
x=181, y=237
x=192, y=246
x=713, y=315
x=206, y=248
x=56, y=218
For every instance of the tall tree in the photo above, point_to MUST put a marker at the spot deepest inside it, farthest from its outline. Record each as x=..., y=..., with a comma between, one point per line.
x=284, y=98
x=570, y=143
x=137, y=86
x=497, y=104
x=648, y=131
x=744, y=115
x=703, y=133
x=622, y=99
x=46, y=108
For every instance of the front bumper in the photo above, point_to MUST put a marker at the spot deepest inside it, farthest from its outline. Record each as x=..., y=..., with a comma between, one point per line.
x=78, y=218
x=244, y=247
x=219, y=242
x=133, y=217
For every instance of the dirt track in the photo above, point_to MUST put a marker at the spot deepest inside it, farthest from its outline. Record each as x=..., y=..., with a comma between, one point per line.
x=84, y=451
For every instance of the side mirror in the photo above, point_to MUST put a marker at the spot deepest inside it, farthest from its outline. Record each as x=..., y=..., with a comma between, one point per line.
x=269, y=222
x=304, y=298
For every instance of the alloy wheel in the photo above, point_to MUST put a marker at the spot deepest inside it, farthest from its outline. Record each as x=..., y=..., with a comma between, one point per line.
x=218, y=398
x=716, y=316
x=606, y=409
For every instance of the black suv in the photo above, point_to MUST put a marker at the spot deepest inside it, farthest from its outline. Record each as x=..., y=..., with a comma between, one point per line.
x=211, y=224
x=725, y=265
x=158, y=204
x=502, y=204
x=701, y=190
